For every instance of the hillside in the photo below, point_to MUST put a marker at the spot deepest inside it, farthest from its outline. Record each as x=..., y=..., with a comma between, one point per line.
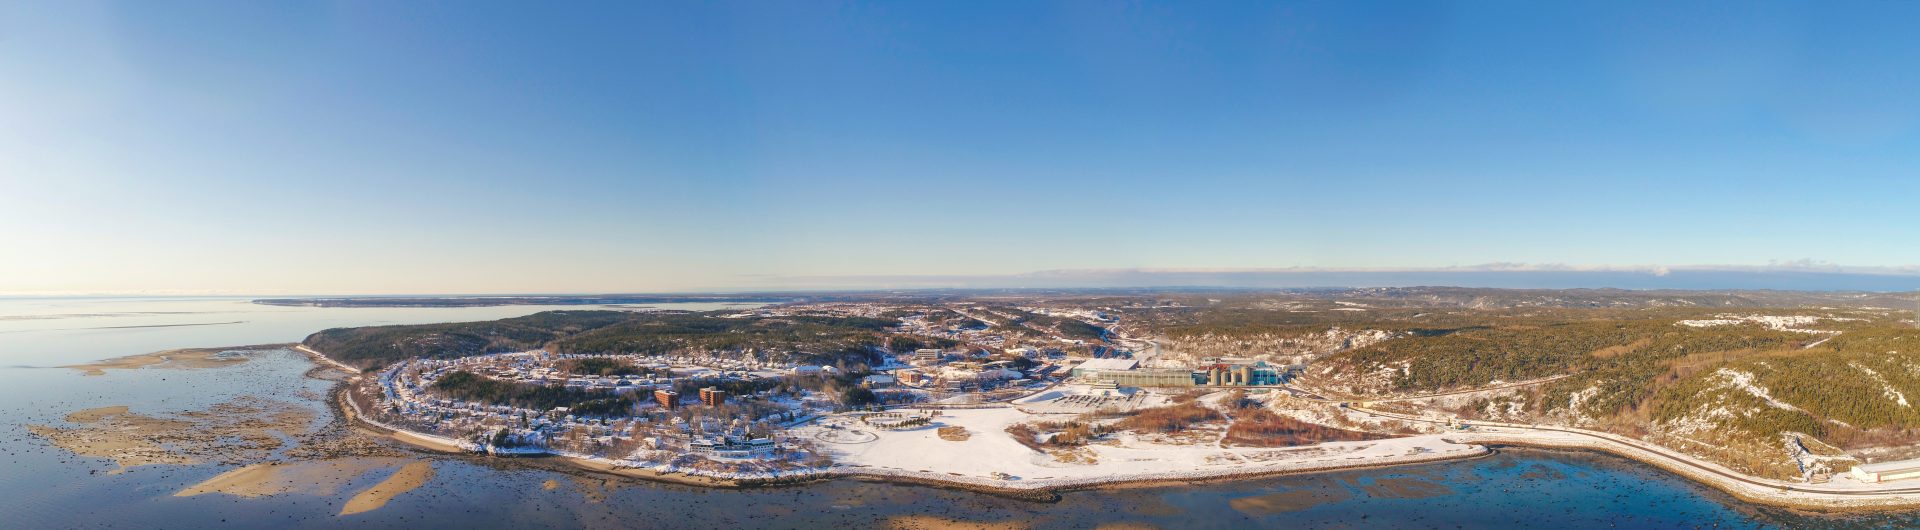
x=790, y=339
x=1771, y=383
x=787, y=339
x=367, y=347
x=1780, y=393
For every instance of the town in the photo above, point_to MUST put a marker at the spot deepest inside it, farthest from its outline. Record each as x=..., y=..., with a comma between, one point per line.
x=1031, y=394
x=738, y=416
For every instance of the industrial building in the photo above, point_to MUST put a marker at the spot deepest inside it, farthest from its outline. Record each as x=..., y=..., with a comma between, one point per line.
x=1236, y=374
x=1218, y=372
x=1125, y=372
x=1095, y=367
x=1887, y=471
x=1149, y=377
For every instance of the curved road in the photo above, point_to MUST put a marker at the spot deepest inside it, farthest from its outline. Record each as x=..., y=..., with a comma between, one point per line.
x=1671, y=456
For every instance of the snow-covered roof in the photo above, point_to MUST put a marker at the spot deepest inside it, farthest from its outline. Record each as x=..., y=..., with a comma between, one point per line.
x=1108, y=364
x=1891, y=467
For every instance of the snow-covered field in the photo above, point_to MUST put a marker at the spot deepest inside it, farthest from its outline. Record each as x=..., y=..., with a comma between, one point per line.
x=990, y=456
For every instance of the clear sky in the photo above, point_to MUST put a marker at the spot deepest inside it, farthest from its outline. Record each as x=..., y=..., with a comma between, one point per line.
x=475, y=147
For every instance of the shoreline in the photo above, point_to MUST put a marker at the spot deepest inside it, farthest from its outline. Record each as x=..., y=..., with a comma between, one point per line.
x=1863, y=501
x=1041, y=491
x=323, y=359
x=1835, y=497
x=1150, y=480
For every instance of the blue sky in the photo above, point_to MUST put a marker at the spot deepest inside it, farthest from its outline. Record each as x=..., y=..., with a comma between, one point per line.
x=362, y=147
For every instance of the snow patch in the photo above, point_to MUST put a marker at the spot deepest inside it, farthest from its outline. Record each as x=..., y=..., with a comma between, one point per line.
x=1795, y=323
x=1743, y=381
x=1578, y=398
x=1886, y=388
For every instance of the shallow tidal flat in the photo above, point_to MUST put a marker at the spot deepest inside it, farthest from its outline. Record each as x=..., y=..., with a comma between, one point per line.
x=274, y=443
x=929, y=522
x=115, y=434
x=177, y=359
x=1292, y=500
x=1405, y=488
x=1325, y=492
x=233, y=432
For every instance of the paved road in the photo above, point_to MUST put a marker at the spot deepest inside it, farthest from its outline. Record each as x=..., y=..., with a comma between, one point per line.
x=1671, y=456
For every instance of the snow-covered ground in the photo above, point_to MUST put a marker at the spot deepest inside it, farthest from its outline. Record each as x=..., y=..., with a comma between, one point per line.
x=1780, y=323
x=990, y=456
x=1743, y=382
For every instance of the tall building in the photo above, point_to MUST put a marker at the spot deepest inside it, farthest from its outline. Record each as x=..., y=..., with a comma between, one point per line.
x=667, y=398
x=713, y=397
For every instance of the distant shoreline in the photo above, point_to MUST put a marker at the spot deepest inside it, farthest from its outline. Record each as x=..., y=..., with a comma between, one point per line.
x=496, y=301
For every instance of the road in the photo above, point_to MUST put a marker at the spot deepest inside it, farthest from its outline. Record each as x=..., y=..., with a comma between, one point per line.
x=1670, y=456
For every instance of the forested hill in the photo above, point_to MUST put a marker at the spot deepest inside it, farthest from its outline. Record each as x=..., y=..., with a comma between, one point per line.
x=808, y=339
x=1779, y=393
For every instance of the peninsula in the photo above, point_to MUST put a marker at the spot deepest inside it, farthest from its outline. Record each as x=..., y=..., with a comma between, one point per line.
x=1027, y=396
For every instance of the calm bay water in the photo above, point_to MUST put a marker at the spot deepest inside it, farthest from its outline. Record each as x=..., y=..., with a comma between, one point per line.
x=46, y=487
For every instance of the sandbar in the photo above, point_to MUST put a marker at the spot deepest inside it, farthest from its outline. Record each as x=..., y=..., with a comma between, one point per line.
x=930, y=522
x=177, y=359
x=1287, y=501
x=408, y=478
